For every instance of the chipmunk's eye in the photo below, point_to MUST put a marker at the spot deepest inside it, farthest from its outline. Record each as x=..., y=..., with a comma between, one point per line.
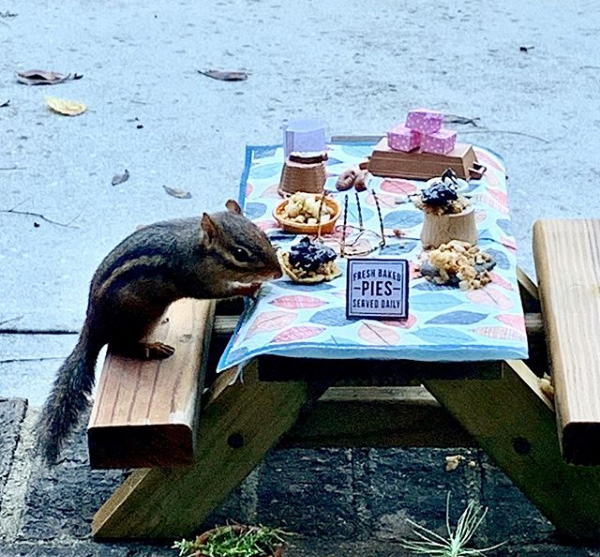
x=242, y=255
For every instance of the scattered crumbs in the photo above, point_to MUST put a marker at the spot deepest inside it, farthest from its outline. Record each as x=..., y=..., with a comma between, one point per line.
x=453, y=462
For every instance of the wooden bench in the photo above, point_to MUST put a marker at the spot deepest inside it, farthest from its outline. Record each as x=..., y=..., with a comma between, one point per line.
x=146, y=413
x=496, y=405
x=567, y=259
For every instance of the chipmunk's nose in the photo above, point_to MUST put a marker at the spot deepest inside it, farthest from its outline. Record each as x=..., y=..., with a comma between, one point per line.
x=277, y=274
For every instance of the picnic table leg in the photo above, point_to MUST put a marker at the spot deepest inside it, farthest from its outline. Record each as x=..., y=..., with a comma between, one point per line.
x=238, y=425
x=515, y=424
x=529, y=292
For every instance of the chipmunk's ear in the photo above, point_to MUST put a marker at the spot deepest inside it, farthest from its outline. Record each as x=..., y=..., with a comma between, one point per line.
x=209, y=230
x=233, y=206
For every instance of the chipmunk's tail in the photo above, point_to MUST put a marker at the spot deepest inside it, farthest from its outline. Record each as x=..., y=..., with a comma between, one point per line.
x=69, y=397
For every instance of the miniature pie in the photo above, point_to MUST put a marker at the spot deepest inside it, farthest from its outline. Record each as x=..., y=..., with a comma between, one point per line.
x=309, y=262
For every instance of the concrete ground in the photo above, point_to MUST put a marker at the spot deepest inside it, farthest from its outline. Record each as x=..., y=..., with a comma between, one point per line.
x=357, y=66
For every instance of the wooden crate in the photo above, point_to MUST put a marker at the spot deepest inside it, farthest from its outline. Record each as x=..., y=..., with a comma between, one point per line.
x=397, y=164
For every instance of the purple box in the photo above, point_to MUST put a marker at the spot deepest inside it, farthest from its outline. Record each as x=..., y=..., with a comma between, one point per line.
x=425, y=121
x=304, y=136
x=401, y=138
x=441, y=142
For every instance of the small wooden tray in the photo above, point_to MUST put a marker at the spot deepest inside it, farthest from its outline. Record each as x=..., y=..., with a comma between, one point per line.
x=416, y=164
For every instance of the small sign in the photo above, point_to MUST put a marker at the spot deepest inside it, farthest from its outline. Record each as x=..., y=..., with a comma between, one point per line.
x=377, y=288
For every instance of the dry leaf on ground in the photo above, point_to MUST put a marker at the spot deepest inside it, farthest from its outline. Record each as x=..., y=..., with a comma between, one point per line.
x=225, y=76
x=66, y=107
x=176, y=192
x=41, y=77
x=4, y=103
x=120, y=178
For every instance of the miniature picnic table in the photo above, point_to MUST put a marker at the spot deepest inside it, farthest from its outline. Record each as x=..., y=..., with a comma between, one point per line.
x=300, y=388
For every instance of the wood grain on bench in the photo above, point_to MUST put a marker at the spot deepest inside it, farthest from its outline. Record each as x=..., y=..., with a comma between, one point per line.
x=567, y=259
x=145, y=413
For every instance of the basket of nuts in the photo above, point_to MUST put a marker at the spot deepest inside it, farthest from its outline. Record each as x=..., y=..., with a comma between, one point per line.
x=306, y=213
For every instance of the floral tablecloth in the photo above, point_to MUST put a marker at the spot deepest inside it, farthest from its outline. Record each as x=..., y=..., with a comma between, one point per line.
x=445, y=323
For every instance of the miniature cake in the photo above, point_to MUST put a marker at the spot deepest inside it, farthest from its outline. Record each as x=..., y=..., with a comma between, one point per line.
x=309, y=262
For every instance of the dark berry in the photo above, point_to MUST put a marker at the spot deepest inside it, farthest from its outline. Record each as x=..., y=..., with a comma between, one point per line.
x=439, y=194
x=310, y=256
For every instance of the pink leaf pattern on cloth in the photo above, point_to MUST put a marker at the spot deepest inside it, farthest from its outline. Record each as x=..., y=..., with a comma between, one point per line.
x=499, y=332
x=499, y=195
x=509, y=243
x=490, y=297
x=402, y=323
x=492, y=179
x=517, y=322
x=374, y=333
x=491, y=202
x=298, y=301
x=500, y=281
x=398, y=186
x=270, y=321
x=385, y=200
x=297, y=333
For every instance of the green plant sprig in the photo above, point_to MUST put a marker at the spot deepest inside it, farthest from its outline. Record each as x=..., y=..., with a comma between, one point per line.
x=230, y=542
x=430, y=543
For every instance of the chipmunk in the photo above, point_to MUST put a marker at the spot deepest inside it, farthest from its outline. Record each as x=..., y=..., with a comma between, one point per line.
x=217, y=256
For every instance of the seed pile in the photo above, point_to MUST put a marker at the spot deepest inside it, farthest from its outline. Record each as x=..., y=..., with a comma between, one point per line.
x=457, y=264
x=304, y=208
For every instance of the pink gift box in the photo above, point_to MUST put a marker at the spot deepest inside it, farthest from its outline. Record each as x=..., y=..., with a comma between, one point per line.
x=425, y=121
x=401, y=138
x=441, y=142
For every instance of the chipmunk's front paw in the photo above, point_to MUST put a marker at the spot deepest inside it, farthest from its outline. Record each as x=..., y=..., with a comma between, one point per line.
x=157, y=350
x=142, y=350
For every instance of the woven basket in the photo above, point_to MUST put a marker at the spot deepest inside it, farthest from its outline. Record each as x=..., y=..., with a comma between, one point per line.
x=302, y=228
x=308, y=178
